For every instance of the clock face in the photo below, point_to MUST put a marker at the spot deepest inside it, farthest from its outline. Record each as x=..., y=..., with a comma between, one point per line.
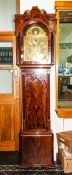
x=35, y=44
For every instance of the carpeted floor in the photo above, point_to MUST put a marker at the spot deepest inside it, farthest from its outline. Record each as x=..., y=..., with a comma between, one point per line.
x=9, y=166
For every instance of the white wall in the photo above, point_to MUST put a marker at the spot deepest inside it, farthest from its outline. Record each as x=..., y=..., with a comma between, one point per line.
x=7, y=15
x=48, y=5
x=57, y=124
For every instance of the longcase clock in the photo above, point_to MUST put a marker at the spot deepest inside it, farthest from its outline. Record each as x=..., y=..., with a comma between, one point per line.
x=35, y=31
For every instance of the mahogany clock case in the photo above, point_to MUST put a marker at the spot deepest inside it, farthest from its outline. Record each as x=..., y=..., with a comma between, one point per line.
x=35, y=138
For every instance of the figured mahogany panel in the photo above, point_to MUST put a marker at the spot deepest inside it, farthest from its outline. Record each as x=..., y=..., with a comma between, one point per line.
x=36, y=149
x=36, y=98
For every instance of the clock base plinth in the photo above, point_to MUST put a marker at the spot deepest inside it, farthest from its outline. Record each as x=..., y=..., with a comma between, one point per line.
x=35, y=149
